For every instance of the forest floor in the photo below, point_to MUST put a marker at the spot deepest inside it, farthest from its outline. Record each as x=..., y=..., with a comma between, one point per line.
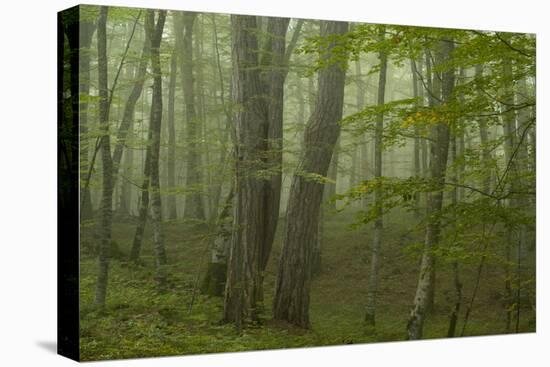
x=138, y=321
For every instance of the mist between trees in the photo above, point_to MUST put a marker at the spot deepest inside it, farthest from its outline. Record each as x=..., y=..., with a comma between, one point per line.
x=256, y=182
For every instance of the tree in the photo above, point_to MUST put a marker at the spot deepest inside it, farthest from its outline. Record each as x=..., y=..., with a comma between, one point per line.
x=194, y=207
x=250, y=121
x=171, y=164
x=107, y=178
x=275, y=61
x=291, y=302
x=372, y=285
x=440, y=136
x=156, y=120
x=87, y=29
x=128, y=115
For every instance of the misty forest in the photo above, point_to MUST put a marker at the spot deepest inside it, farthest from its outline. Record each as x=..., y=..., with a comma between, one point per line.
x=252, y=182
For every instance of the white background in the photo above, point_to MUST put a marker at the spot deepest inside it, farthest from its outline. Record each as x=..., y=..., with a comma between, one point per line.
x=28, y=182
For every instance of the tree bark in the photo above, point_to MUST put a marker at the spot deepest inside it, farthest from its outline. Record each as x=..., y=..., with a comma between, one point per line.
x=291, y=302
x=250, y=121
x=273, y=81
x=438, y=166
x=156, y=121
x=194, y=207
x=171, y=161
x=372, y=285
x=107, y=177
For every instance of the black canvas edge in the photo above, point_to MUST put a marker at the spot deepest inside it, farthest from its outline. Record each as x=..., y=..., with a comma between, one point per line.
x=68, y=222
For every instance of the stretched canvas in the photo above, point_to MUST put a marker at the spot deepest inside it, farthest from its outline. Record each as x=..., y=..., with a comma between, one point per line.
x=238, y=182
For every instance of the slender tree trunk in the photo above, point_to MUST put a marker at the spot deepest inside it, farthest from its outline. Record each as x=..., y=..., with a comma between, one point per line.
x=156, y=120
x=194, y=207
x=372, y=285
x=125, y=188
x=453, y=318
x=416, y=148
x=433, y=90
x=107, y=185
x=143, y=206
x=362, y=155
x=291, y=302
x=171, y=161
x=509, y=127
x=438, y=166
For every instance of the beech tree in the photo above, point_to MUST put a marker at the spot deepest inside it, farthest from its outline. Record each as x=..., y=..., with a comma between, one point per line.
x=291, y=301
x=438, y=164
x=106, y=160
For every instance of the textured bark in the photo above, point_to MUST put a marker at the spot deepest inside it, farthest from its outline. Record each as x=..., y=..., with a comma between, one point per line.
x=438, y=165
x=332, y=175
x=107, y=178
x=194, y=207
x=275, y=64
x=156, y=122
x=372, y=285
x=291, y=302
x=250, y=121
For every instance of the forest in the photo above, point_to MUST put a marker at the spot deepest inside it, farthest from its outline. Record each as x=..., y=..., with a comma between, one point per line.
x=252, y=182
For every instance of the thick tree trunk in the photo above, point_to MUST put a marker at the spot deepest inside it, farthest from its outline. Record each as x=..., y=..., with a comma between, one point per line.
x=107, y=185
x=250, y=121
x=274, y=61
x=372, y=285
x=438, y=166
x=291, y=301
x=194, y=207
x=332, y=175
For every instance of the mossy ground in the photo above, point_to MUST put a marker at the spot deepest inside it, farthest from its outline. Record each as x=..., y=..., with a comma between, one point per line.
x=138, y=321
